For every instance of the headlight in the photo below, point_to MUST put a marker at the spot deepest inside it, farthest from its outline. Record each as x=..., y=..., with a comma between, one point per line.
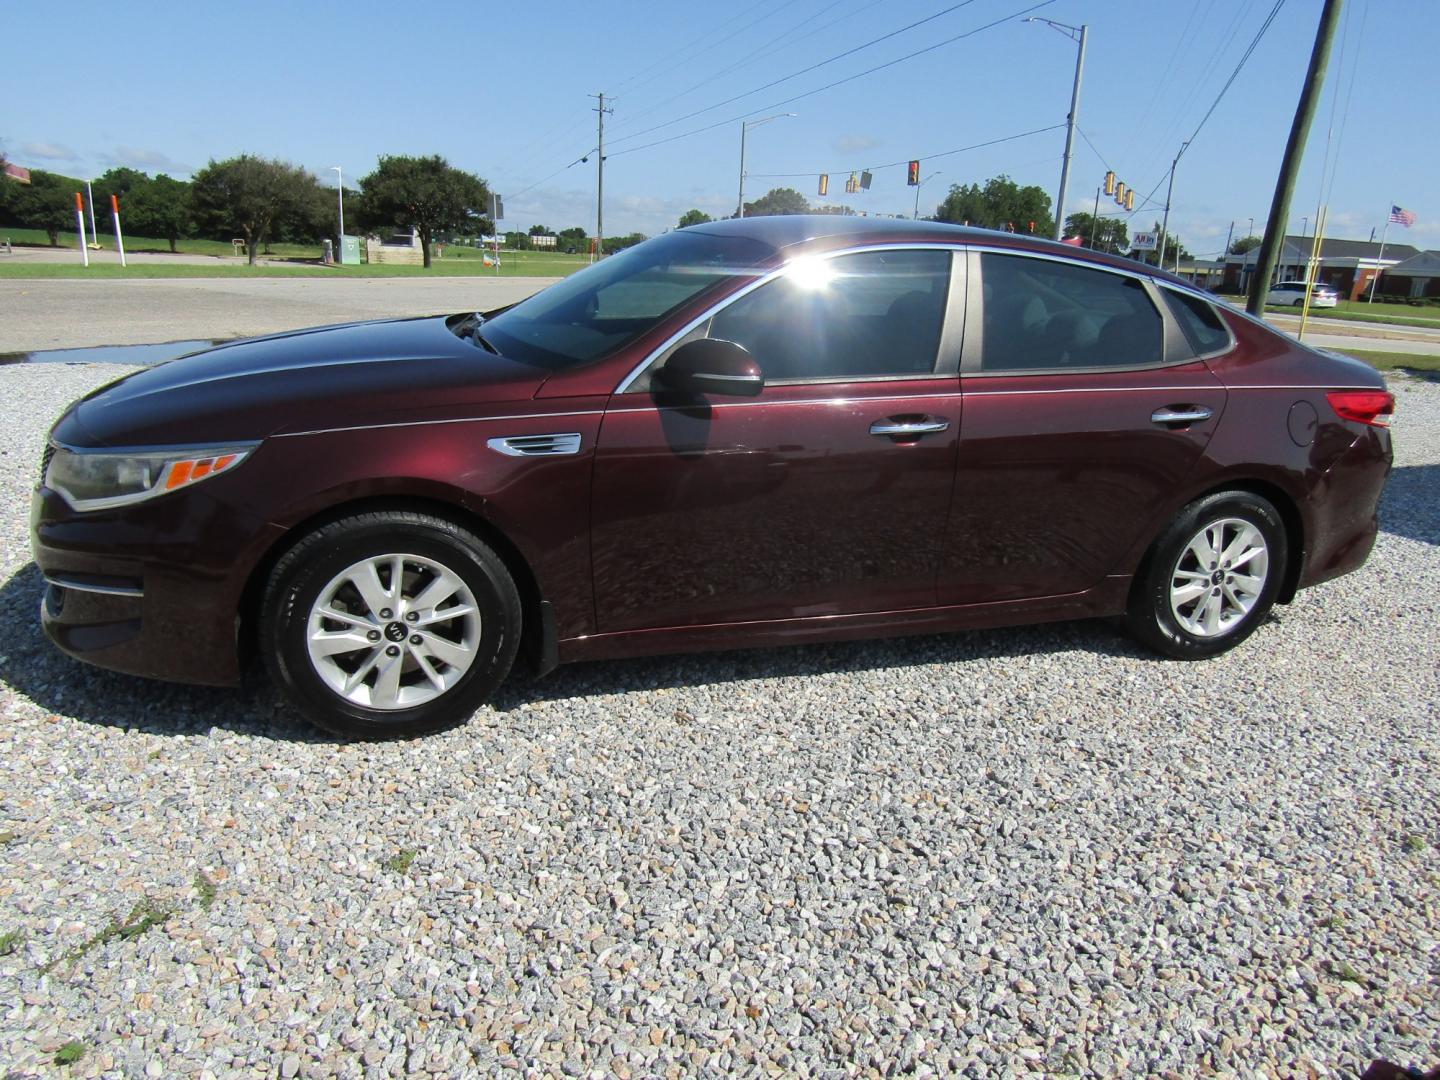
x=98, y=481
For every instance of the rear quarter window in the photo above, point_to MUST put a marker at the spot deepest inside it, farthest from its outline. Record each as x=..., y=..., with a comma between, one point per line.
x=1199, y=321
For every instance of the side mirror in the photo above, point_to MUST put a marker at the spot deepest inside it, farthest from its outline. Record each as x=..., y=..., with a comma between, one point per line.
x=711, y=366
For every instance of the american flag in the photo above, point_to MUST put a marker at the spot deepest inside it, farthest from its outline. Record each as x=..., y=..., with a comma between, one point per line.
x=1401, y=216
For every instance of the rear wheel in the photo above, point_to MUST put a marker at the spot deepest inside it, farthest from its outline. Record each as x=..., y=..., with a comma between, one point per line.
x=1211, y=577
x=389, y=624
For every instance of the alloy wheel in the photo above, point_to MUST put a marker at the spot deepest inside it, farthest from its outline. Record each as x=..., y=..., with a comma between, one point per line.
x=1219, y=577
x=393, y=631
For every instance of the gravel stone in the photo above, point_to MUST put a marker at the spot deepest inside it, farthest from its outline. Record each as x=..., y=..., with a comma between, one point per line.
x=1000, y=853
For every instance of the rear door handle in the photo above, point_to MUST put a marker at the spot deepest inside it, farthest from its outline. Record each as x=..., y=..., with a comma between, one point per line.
x=1180, y=414
x=895, y=428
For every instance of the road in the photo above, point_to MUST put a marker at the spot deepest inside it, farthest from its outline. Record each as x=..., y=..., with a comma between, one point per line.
x=72, y=313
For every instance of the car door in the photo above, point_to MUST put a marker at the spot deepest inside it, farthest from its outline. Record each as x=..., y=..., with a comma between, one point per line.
x=1085, y=408
x=824, y=494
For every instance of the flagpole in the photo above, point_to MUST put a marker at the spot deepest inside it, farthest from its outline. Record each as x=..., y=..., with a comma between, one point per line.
x=1376, y=279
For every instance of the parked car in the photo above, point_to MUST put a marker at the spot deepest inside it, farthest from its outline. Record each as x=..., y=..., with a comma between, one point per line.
x=1293, y=292
x=756, y=432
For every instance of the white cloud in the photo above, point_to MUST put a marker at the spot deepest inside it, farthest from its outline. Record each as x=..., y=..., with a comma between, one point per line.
x=152, y=161
x=48, y=150
x=855, y=144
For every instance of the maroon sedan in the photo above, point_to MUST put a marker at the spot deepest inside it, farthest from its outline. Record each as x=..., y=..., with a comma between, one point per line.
x=746, y=433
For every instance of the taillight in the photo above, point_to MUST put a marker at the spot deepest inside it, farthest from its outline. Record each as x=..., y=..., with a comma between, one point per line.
x=1373, y=407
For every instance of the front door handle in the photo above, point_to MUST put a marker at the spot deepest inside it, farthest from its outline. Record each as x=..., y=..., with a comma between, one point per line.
x=895, y=427
x=1180, y=414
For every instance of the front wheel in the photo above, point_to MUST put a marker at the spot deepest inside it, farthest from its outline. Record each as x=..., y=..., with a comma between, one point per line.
x=1211, y=577
x=389, y=624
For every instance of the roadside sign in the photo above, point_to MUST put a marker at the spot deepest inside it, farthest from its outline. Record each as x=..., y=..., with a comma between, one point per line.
x=1144, y=241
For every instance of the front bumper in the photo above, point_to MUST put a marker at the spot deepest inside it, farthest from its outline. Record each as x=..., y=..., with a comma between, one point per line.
x=153, y=589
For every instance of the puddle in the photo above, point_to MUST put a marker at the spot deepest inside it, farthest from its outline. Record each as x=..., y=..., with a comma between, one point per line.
x=144, y=355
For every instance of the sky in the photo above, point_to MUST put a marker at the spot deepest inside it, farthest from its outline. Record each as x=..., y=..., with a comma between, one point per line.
x=503, y=90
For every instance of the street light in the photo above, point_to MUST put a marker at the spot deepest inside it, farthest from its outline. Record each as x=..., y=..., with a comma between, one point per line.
x=745, y=126
x=917, y=192
x=340, y=187
x=1077, y=34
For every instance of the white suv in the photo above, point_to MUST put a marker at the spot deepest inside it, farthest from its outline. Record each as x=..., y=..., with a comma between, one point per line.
x=1293, y=292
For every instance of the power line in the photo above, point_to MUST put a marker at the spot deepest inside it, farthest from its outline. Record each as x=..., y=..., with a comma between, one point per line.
x=775, y=10
x=1244, y=58
x=838, y=82
x=896, y=164
x=781, y=42
x=802, y=71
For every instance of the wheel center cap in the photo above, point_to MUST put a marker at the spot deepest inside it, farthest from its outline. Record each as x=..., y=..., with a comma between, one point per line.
x=1215, y=579
x=395, y=632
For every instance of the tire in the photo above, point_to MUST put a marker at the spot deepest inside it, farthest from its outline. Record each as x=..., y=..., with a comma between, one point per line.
x=1184, y=607
x=359, y=657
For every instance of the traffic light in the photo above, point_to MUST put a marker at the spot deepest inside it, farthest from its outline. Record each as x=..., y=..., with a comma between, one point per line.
x=1129, y=200
x=852, y=185
x=1032, y=226
x=824, y=183
x=1109, y=183
x=1120, y=192
x=912, y=174
x=864, y=181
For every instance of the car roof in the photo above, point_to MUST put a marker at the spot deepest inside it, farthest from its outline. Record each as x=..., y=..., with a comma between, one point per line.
x=825, y=231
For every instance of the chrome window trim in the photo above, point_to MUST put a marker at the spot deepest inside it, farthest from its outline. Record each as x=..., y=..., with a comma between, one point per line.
x=84, y=586
x=1196, y=294
x=674, y=339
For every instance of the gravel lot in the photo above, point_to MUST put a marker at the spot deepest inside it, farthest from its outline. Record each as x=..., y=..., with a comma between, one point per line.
x=992, y=854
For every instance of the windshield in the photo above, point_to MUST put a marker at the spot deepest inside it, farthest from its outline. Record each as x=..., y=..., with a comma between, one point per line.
x=603, y=307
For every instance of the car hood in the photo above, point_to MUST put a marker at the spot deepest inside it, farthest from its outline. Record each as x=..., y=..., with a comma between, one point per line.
x=356, y=374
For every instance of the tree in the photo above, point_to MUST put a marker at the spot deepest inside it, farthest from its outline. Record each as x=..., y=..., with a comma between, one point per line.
x=1244, y=244
x=574, y=240
x=778, y=201
x=1100, y=233
x=47, y=202
x=248, y=195
x=160, y=207
x=693, y=217
x=540, y=230
x=425, y=193
x=620, y=243
x=1000, y=204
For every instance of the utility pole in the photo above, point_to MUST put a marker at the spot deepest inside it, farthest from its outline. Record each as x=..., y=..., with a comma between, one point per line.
x=1077, y=34
x=1229, y=236
x=744, y=127
x=1169, y=192
x=1294, y=152
x=600, y=180
x=1094, y=218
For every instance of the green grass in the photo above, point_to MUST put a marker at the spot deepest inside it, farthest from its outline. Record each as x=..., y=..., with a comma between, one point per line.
x=511, y=266
x=204, y=891
x=70, y=1053
x=1393, y=314
x=1390, y=361
x=1414, y=843
x=1344, y=972
x=400, y=862
x=144, y=916
x=457, y=261
x=39, y=238
x=10, y=941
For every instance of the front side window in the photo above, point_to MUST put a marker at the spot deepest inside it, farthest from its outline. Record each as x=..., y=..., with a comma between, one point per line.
x=873, y=314
x=1043, y=314
x=592, y=313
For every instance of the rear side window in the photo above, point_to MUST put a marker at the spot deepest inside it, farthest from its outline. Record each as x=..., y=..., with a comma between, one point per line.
x=1041, y=314
x=1200, y=322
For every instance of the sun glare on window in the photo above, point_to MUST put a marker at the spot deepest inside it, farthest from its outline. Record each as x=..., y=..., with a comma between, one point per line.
x=811, y=274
